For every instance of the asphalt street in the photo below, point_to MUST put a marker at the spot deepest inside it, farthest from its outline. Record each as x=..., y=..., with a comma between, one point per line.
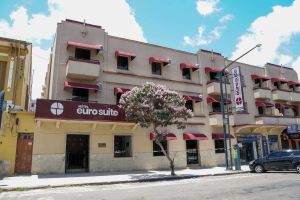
x=281, y=186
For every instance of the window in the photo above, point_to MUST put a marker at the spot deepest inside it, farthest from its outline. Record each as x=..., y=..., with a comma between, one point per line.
x=296, y=112
x=260, y=110
x=122, y=146
x=214, y=76
x=157, y=150
x=297, y=153
x=122, y=63
x=277, y=85
x=219, y=146
x=186, y=74
x=281, y=111
x=189, y=105
x=118, y=96
x=80, y=94
x=82, y=54
x=216, y=107
x=279, y=154
x=258, y=83
x=2, y=74
x=156, y=68
x=293, y=88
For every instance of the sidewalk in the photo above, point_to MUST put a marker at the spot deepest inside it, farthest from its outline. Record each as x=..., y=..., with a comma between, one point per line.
x=59, y=180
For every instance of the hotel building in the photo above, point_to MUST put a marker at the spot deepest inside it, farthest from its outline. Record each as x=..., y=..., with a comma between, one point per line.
x=79, y=127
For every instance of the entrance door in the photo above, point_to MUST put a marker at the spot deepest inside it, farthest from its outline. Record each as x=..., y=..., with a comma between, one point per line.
x=246, y=152
x=192, y=152
x=77, y=153
x=24, y=153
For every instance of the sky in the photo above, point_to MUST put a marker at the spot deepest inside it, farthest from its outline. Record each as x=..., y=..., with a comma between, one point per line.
x=230, y=27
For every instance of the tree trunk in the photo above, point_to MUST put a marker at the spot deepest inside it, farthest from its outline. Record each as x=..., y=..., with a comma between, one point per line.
x=158, y=142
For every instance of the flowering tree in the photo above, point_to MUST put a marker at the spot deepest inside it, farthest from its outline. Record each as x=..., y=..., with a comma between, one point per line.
x=155, y=106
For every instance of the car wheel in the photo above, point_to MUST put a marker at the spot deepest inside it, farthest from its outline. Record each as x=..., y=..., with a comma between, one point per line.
x=298, y=168
x=259, y=169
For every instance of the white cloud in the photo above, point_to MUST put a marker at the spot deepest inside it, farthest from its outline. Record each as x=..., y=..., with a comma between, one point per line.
x=273, y=31
x=226, y=18
x=115, y=16
x=207, y=7
x=203, y=38
x=283, y=59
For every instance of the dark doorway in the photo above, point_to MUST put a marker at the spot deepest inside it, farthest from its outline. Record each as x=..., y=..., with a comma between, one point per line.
x=77, y=153
x=246, y=152
x=192, y=152
x=24, y=153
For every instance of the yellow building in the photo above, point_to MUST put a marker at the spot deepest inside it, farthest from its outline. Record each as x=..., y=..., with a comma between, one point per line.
x=16, y=123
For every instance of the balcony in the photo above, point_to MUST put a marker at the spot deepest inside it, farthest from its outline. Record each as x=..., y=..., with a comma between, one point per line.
x=215, y=119
x=276, y=120
x=262, y=93
x=295, y=96
x=281, y=95
x=213, y=88
x=82, y=69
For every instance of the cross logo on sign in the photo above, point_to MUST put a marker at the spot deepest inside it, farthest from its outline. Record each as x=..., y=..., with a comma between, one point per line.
x=57, y=108
x=238, y=101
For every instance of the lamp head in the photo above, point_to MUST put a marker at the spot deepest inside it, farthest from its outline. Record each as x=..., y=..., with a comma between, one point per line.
x=258, y=45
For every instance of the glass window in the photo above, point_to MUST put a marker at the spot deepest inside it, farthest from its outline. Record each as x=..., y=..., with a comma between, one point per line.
x=156, y=68
x=118, y=96
x=82, y=54
x=189, y=105
x=186, y=74
x=260, y=110
x=80, y=94
x=157, y=150
x=258, y=83
x=216, y=107
x=122, y=63
x=219, y=146
x=122, y=146
x=277, y=85
x=214, y=76
x=279, y=154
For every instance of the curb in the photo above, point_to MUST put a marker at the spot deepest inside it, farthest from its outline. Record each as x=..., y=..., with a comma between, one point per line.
x=167, y=178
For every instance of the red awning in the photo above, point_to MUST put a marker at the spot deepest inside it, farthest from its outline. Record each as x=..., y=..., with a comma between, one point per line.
x=120, y=90
x=217, y=100
x=220, y=136
x=169, y=136
x=286, y=106
x=294, y=83
x=257, y=76
x=264, y=104
x=214, y=69
x=192, y=98
x=194, y=136
x=125, y=54
x=87, y=46
x=194, y=67
x=276, y=79
x=164, y=61
x=81, y=85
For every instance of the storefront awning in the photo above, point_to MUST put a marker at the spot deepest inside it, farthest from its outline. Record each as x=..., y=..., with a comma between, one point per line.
x=277, y=79
x=297, y=84
x=194, y=136
x=164, y=61
x=194, y=67
x=83, y=45
x=217, y=100
x=169, y=136
x=257, y=76
x=192, y=98
x=220, y=136
x=125, y=54
x=264, y=104
x=120, y=90
x=81, y=85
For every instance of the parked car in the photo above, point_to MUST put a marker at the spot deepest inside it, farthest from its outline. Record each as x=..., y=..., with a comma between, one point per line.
x=277, y=161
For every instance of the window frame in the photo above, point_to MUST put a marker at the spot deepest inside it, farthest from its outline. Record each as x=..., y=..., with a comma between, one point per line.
x=189, y=104
x=120, y=60
x=79, y=56
x=80, y=94
x=159, y=152
x=186, y=74
x=154, y=68
x=219, y=149
x=127, y=154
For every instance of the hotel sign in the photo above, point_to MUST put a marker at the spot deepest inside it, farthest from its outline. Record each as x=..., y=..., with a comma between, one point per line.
x=237, y=88
x=73, y=110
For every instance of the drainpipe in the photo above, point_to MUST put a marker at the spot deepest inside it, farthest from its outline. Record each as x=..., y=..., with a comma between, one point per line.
x=16, y=76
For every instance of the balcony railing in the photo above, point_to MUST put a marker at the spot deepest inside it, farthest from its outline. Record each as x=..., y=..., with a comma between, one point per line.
x=262, y=93
x=216, y=119
x=281, y=95
x=82, y=69
x=277, y=120
x=213, y=88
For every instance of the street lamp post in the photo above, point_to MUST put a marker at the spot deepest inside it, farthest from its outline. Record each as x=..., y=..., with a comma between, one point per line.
x=224, y=109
